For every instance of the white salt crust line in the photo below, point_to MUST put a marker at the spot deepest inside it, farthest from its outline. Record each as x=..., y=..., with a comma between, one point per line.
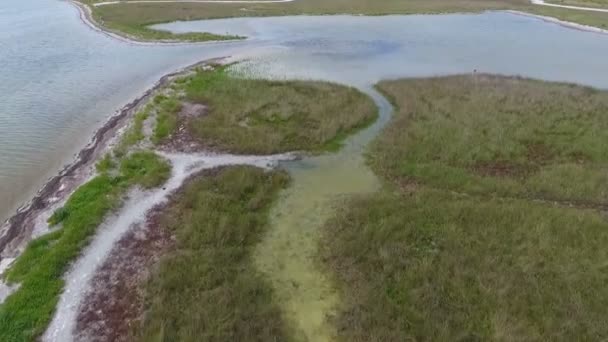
x=578, y=8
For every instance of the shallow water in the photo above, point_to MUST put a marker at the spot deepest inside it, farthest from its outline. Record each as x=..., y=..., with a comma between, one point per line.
x=362, y=50
x=288, y=255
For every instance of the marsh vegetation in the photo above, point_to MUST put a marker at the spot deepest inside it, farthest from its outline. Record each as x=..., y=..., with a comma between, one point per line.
x=253, y=116
x=206, y=287
x=490, y=226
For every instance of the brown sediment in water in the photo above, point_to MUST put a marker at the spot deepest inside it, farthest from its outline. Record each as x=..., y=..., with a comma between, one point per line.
x=17, y=230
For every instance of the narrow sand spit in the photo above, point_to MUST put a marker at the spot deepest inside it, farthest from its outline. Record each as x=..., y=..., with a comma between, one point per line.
x=133, y=211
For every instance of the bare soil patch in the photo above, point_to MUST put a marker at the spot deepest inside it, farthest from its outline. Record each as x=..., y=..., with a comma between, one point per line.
x=115, y=301
x=182, y=140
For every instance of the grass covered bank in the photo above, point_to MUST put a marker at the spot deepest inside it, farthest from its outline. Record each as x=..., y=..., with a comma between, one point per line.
x=39, y=270
x=133, y=19
x=250, y=116
x=205, y=287
x=466, y=241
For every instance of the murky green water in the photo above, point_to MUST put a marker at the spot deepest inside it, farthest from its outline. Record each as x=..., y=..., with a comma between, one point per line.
x=288, y=255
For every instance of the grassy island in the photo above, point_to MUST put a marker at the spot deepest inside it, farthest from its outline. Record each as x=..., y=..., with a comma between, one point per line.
x=224, y=113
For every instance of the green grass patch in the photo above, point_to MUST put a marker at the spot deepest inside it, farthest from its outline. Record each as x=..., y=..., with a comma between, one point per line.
x=263, y=117
x=39, y=270
x=462, y=245
x=133, y=19
x=206, y=287
x=166, y=117
x=432, y=266
x=106, y=164
x=134, y=133
x=146, y=169
x=485, y=134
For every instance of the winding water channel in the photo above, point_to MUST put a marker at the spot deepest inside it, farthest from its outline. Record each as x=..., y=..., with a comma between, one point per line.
x=57, y=91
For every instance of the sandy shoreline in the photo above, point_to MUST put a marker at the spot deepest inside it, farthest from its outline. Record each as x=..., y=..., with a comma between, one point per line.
x=567, y=24
x=18, y=229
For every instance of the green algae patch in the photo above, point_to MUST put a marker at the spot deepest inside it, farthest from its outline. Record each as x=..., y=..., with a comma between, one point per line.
x=26, y=313
x=490, y=223
x=288, y=256
x=205, y=287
